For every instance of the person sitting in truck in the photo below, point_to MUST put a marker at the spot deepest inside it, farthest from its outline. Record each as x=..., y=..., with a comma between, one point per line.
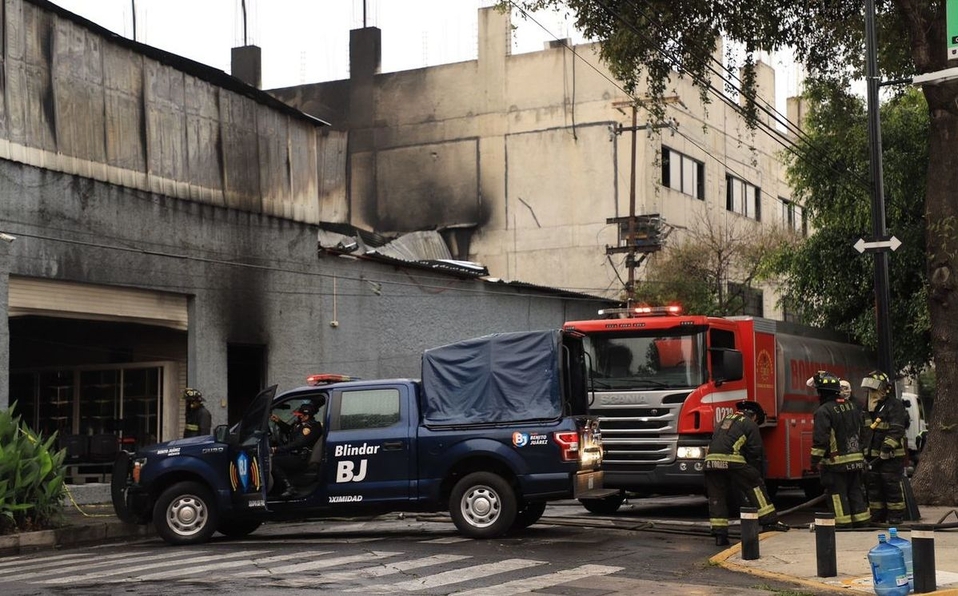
x=292, y=457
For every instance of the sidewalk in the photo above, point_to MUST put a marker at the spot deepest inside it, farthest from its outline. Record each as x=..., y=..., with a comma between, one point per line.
x=88, y=518
x=791, y=556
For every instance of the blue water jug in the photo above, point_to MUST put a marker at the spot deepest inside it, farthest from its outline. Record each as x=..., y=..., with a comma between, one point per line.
x=888, y=569
x=905, y=547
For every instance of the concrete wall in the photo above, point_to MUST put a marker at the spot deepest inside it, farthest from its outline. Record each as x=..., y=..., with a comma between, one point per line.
x=82, y=101
x=250, y=278
x=547, y=169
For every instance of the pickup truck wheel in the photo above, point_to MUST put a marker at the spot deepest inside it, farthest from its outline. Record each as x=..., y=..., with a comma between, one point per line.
x=185, y=514
x=528, y=515
x=238, y=528
x=482, y=505
x=604, y=506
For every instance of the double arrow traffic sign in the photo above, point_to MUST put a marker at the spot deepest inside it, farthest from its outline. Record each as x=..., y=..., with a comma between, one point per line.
x=892, y=243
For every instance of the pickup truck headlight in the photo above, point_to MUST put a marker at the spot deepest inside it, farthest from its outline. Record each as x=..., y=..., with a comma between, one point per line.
x=138, y=465
x=690, y=453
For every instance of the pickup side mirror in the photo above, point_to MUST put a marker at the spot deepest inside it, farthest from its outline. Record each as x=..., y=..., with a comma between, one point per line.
x=726, y=365
x=221, y=433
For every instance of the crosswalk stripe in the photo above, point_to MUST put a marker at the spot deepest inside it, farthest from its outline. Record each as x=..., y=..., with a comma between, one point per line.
x=129, y=571
x=18, y=561
x=14, y=561
x=50, y=568
x=178, y=573
x=314, y=565
x=446, y=540
x=455, y=576
x=378, y=571
x=521, y=586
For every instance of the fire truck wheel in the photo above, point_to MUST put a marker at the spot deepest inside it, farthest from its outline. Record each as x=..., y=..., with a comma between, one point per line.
x=482, y=505
x=604, y=506
x=238, y=528
x=528, y=515
x=185, y=514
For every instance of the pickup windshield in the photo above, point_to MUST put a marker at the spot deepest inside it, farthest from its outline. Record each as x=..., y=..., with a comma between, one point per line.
x=648, y=359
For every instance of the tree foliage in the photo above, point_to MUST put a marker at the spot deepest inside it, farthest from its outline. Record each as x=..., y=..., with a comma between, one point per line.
x=830, y=281
x=647, y=42
x=709, y=267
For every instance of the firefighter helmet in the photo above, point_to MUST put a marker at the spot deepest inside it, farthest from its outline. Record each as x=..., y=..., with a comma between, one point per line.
x=876, y=380
x=190, y=395
x=752, y=408
x=826, y=382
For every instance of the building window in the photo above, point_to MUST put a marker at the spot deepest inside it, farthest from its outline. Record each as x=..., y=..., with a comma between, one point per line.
x=793, y=217
x=743, y=198
x=750, y=300
x=682, y=173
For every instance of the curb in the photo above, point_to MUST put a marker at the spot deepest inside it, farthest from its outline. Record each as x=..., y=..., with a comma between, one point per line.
x=722, y=560
x=86, y=530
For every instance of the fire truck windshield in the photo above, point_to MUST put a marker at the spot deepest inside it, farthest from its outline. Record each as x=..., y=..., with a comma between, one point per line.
x=636, y=360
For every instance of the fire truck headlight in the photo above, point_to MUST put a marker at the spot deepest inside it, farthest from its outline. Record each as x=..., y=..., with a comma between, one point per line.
x=690, y=453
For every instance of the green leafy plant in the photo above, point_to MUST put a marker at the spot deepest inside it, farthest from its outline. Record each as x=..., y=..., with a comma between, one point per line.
x=31, y=477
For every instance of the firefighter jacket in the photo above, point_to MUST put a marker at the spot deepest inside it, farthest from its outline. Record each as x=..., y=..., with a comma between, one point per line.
x=303, y=434
x=884, y=429
x=836, y=436
x=736, y=440
x=198, y=421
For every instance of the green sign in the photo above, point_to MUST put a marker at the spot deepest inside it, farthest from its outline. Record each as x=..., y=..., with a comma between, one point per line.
x=951, y=29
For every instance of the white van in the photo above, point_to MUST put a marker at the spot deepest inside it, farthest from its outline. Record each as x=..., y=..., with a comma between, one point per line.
x=917, y=427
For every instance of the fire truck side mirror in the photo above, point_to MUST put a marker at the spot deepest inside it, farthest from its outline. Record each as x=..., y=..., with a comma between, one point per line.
x=726, y=365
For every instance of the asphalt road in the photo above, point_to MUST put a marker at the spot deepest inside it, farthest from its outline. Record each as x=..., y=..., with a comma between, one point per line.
x=576, y=553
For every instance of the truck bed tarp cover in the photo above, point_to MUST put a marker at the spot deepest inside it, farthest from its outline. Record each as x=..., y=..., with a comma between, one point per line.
x=504, y=377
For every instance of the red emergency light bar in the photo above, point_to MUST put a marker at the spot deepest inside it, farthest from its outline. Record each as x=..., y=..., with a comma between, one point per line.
x=327, y=378
x=642, y=311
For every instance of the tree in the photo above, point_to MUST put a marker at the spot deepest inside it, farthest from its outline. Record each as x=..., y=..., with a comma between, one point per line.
x=649, y=41
x=831, y=281
x=712, y=265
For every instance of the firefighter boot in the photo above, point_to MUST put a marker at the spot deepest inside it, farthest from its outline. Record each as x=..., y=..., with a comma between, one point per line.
x=288, y=492
x=775, y=527
x=721, y=538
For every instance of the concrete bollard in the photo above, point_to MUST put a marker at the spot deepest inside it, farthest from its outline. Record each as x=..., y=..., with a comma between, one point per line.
x=923, y=558
x=749, y=518
x=825, y=551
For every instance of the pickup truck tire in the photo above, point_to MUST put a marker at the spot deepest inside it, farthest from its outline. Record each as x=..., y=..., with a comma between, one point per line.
x=604, y=506
x=528, y=515
x=185, y=514
x=482, y=505
x=238, y=528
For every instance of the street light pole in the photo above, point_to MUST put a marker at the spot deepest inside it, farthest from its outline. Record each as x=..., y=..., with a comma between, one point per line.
x=882, y=293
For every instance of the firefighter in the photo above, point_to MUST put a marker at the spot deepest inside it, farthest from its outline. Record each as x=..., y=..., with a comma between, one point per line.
x=293, y=456
x=837, y=452
x=198, y=418
x=734, y=462
x=883, y=443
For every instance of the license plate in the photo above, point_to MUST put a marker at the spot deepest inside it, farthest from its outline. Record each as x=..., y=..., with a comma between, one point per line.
x=587, y=481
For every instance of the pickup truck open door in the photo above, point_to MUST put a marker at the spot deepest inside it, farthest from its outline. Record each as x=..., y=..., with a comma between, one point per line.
x=249, y=464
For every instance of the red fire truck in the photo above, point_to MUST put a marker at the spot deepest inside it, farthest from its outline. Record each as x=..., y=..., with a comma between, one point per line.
x=662, y=379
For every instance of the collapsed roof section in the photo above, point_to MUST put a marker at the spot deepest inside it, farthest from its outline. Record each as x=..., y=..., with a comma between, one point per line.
x=424, y=248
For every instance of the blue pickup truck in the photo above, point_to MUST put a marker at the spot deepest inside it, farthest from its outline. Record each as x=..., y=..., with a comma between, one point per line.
x=495, y=428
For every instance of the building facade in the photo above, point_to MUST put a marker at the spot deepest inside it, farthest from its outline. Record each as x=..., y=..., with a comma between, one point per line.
x=163, y=222
x=521, y=160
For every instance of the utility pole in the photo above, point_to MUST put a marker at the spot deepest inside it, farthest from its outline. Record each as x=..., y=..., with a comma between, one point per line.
x=882, y=293
x=642, y=233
